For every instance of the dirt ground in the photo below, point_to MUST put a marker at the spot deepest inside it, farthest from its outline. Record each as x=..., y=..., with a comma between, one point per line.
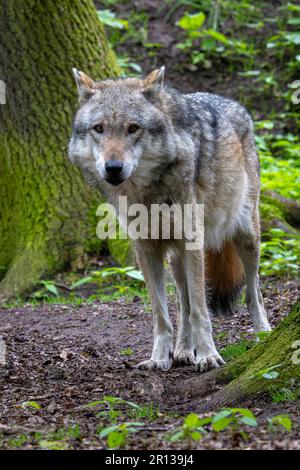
x=63, y=357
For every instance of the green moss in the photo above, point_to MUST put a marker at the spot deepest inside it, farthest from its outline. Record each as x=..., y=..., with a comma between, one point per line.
x=26, y=268
x=245, y=374
x=235, y=350
x=121, y=251
x=45, y=204
x=270, y=213
x=273, y=210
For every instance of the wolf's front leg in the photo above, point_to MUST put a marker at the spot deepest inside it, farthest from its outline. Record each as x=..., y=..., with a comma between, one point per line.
x=151, y=263
x=206, y=355
x=184, y=352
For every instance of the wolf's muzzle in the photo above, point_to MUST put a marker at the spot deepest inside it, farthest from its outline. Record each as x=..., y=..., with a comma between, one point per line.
x=114, y=170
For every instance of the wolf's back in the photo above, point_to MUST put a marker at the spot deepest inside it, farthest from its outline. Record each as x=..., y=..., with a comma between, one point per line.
x=225, y=111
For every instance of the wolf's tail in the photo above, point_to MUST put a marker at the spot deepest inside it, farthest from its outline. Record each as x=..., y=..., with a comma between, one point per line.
x=225, y=277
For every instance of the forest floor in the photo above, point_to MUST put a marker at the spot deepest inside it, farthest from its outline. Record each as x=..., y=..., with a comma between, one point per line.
x=60, y=358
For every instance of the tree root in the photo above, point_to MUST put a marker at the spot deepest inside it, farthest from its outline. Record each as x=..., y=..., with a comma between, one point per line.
x=279, y=212
x=26, y=268
x=244, y=377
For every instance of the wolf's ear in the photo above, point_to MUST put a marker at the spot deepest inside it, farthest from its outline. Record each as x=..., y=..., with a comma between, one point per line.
x=85, y=85
x=155, y=78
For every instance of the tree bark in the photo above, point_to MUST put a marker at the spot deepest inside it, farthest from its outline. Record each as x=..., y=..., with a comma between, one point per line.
x=45, y=207
x=243, y=377
x=279, y=212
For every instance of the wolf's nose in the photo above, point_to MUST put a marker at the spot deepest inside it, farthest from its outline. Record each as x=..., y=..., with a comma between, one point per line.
x=113, y=167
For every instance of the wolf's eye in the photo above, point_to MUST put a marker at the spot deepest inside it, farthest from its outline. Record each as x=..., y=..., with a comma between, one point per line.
x=98, y=128
x=132, y=128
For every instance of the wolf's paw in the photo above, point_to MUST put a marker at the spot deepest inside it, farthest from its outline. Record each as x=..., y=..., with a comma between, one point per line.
x=205, y=363
x=151, y=364
x=184, y=357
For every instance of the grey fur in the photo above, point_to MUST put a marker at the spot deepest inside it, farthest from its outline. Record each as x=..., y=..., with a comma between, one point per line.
x=194, y=148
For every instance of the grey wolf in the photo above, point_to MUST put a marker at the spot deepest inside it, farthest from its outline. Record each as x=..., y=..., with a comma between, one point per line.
x=153, y=144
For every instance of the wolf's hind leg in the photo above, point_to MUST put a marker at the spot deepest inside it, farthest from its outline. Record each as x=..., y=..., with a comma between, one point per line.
x=248, y=247
x=184, y=353
x=151, y=263
x=206, y=354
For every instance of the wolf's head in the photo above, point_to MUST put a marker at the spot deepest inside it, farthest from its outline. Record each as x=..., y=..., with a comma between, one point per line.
x=118, y=124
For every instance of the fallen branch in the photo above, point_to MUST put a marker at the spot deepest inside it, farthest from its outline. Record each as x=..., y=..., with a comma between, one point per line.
x=19, y=429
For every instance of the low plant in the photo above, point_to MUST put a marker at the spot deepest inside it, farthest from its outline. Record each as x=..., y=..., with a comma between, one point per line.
x=18, y=441
x=126, y=352
x=231, y=351
x=280, y=253
x=191, y=430
x=117, y=435
x=121, y=274
x=202, y=43
x=234, y=419
x=116, y=408
x=119, y=30
x=194, y=427
x=59, y=439
x=282, y=394
x=280, y=421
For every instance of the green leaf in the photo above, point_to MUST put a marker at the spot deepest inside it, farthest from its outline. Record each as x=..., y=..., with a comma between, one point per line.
x=51, y=287
x=74, y=431
x=133, y=405
x=111, y=272
x=116, y=439
x=133, y=428
x=251, y=73
x=52, y=445
x=196, y=435
x=293, y=37
x=177, y=436
x=207, y=44
x=134, y=423
x=244, y=412
x=270, y=375
x=112, y=400
x=82, y=281
x=191, y=22
x=135, y=274
x=31, y=404
x=109, y=19
x=293, y=21
x=191, y=420
x=106, y=431
x=221, y=414
x=283, y=421
x=221, y=424
x=221, y=420
x=218, y=36
x=204, y=421
x=248, y=421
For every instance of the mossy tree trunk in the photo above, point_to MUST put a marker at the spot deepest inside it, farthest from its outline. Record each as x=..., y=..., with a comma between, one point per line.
x=279, y=212
x=279, y=352
x=243, y=378
x=45, y=205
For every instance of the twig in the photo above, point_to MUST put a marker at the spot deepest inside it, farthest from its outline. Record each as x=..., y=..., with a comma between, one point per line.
x=13, y=429
x=128, y=365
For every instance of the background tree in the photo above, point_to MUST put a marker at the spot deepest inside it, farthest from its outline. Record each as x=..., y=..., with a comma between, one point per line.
x=45, y=207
